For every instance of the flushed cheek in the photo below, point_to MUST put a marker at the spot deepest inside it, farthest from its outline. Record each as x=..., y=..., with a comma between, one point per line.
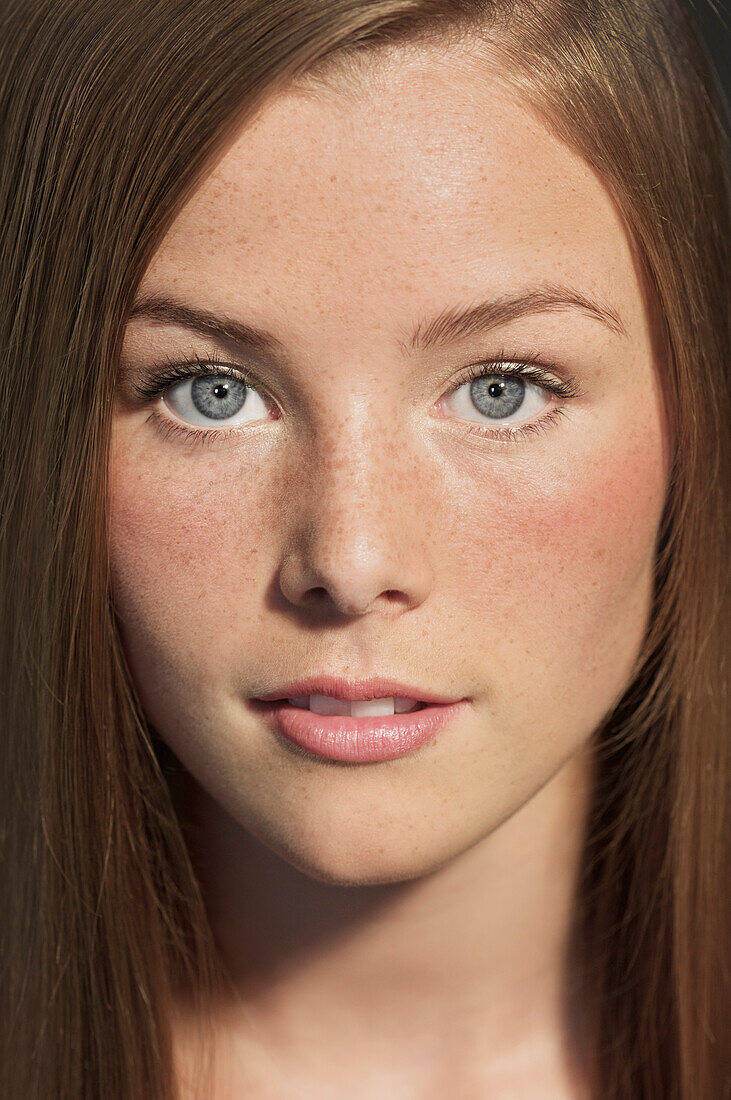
x=592, y=513
x=560, y=565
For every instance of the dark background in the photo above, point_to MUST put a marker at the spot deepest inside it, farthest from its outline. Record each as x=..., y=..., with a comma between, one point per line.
x=713, y=19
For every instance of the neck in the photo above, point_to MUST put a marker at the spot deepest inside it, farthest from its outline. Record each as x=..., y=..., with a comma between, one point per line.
x=467, y=962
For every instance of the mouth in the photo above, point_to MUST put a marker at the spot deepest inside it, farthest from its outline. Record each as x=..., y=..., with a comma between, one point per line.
x=359, y=732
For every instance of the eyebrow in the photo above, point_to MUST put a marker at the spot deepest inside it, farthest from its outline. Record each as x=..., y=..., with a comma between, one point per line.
x=167, y=311
x=458, y=324
x=449, y=326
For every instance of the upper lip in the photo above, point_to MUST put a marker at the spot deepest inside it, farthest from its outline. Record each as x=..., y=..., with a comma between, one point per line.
x=340, y=687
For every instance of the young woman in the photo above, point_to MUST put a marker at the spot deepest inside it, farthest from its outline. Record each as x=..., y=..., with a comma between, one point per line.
x=365, y=450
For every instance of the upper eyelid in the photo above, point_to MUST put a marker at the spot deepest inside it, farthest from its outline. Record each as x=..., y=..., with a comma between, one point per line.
x=526, y=366
x=185, y=369
x=524, y=369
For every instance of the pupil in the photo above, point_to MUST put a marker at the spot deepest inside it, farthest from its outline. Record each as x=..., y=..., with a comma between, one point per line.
x=495, y=389
x=221, y=389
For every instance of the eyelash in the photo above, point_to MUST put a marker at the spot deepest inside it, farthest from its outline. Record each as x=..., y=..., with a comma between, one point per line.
x=163, y=375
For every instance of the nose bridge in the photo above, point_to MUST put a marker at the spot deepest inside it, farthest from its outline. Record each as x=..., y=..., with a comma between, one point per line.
x=357, y=531
x=358, y=460
x=361, y=493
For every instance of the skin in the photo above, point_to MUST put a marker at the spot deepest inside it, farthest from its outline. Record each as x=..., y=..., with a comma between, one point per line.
x=396, y=928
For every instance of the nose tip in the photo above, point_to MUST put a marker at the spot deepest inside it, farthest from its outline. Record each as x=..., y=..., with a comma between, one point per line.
x=351, y=585
x=364, y=564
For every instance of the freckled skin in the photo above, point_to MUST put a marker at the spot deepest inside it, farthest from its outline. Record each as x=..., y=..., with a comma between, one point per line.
x=519, y=572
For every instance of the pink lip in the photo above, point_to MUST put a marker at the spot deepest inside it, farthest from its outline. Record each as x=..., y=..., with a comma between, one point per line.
x=339, y=687
x=359, y=740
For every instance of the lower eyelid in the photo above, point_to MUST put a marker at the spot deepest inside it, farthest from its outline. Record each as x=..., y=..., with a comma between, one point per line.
x=521, y=429
x=501, y=433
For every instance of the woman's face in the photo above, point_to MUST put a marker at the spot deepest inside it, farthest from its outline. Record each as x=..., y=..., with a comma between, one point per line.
x=369, y=512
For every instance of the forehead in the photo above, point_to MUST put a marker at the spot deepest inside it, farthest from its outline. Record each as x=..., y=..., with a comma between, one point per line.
x=420, y=176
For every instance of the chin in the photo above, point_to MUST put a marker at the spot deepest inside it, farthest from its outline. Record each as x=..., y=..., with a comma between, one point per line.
x=355, y=863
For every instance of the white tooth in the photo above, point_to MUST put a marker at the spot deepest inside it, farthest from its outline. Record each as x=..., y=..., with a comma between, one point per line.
x=325, y=704
x=403, y=706
x=364, y=708
x=369, y=708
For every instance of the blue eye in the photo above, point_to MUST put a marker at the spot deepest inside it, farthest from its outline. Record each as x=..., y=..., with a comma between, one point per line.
x=198, y=400
x=218, y=397
x=503, y=396
x=497, y=397
x=201, y=392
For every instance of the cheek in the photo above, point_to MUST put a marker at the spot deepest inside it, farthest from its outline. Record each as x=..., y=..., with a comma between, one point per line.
x=183, y=549
x=596, y=520
x=560, y=566
x=590, y=516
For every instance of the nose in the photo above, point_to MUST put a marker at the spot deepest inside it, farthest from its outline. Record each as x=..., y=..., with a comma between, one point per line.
x=358, y=539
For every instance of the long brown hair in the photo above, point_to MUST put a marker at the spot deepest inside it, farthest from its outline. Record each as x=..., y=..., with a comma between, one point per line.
x=112, y=111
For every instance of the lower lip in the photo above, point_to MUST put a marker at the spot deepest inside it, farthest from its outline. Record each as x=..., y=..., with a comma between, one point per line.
x=359, y=740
